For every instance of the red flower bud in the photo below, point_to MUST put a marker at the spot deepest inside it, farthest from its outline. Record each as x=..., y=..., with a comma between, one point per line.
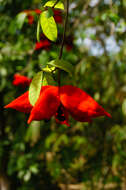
x=20, y=80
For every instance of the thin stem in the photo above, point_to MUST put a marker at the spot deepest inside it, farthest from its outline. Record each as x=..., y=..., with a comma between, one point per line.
x=55, y=4
x=64, y=33
x=65, y=27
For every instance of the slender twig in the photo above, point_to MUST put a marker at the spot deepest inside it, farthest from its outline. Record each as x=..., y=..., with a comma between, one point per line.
x=64, y=33
x=55, y=4
x=65, y=27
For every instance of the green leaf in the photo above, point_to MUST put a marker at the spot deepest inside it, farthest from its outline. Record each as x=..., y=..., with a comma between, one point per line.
x=35, y=87
x=51, y=3
x=50, y=12
x=114, y=17
x=48, y=69
x=38, y=32
x=33, y=132
x=20, y=18
x=48, y=79
x=63, y=65
x=49, y=26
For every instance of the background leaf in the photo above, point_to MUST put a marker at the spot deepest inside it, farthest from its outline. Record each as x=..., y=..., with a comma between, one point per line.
x=33, y=132
x=20, y=19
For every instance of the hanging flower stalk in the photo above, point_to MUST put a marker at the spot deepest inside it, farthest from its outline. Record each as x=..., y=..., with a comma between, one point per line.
x=42, y=102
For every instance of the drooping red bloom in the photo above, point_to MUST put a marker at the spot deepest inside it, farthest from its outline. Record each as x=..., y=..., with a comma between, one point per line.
x=43, y=44
x=20, y=80
x=60, y=102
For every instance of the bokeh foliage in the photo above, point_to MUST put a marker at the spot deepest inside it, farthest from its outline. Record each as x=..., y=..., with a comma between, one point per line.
x=49, y=156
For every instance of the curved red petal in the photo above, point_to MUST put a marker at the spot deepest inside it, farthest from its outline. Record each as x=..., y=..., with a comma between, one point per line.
x=21, y=104
x=80, y=105
x=46, y=106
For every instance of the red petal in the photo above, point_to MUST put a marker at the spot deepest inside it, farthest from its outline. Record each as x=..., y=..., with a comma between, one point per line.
x=20, y=80
x=81, y=117
x=58, y=16
x=46, y=106
x=57, y=12
x=21, y=104
x=81, y=106
x=58, y=19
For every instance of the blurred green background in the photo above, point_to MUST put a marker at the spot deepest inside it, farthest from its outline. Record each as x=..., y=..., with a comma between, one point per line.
x=49, y=156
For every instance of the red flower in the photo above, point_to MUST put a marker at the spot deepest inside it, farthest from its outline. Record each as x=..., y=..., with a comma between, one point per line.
x=20, y=80
x=44, y=43
x=60, y=102
x=58, y=16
